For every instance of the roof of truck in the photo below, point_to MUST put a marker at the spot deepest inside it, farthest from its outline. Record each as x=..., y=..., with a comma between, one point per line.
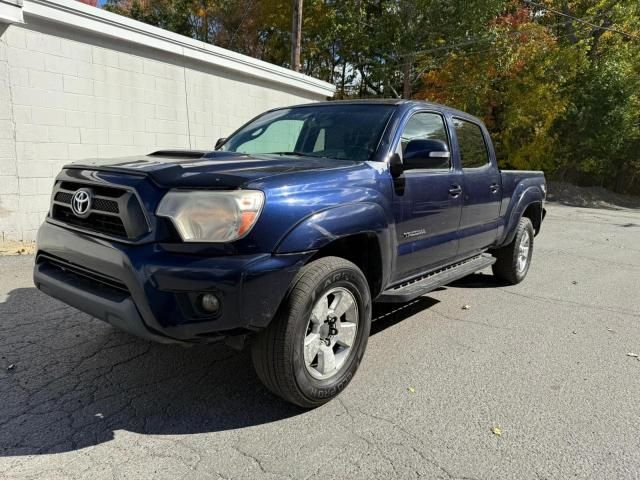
x=385, y=101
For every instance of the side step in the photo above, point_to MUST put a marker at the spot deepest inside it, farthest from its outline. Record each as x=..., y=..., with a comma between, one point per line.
x=412, y=289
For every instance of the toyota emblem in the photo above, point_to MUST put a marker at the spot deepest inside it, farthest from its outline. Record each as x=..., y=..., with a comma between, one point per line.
x=81, y=202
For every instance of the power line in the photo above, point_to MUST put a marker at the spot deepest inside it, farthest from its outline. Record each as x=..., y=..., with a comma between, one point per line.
x=474, y=41
x=490, y=49
x=580, y=20
x=244, y=17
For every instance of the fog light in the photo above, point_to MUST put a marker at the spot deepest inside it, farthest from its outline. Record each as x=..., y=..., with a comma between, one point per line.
x=209, y=303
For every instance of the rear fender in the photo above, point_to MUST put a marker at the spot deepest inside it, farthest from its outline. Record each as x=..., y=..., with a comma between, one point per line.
x=523, y=198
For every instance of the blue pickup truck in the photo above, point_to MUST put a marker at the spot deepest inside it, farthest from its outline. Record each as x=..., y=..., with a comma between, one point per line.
x=288, y=231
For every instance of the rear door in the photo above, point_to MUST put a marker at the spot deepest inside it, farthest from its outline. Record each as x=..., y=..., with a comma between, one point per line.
x=481, y=187
x=427, y=202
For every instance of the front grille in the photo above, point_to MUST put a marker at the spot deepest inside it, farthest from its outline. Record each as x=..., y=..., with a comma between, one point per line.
x=114, y=211
x=99, y=204
x=64, y=197
x=100, y=190
x=95, y=221
x=102, y=205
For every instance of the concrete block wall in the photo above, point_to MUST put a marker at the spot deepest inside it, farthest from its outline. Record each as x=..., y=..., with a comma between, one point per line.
x=68, y=94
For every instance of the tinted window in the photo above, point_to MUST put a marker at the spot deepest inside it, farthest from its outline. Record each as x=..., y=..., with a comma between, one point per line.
x=348, y=132
x=426, y=126
x=473, y=150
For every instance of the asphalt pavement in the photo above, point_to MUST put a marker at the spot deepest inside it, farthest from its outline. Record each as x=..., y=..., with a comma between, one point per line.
x=534, y=381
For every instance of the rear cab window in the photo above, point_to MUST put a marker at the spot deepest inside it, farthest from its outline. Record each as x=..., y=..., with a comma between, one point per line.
x=471, y=144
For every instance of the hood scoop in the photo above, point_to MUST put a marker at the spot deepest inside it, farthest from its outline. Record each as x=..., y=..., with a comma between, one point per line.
x=179, y=153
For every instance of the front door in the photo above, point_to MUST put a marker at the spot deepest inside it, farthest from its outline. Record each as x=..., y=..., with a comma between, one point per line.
x=428, y=203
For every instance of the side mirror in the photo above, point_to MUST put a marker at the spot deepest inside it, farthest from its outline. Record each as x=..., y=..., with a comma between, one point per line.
x=395, y=165
x=220, y=142
x=427, y=154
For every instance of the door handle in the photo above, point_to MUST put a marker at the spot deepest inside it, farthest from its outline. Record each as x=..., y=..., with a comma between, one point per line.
x=455, y=190
x=494, y=188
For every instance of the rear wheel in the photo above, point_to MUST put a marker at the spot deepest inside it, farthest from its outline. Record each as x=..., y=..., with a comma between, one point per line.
x=312, y=349
x=513, y=260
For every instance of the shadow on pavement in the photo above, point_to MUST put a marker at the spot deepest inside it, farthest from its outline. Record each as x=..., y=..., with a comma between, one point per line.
x=478, y=280
x=68, y=381
x=389, y=314
x=75, y=380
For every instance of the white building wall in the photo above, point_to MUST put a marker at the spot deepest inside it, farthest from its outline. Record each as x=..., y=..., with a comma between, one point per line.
x=69, y=93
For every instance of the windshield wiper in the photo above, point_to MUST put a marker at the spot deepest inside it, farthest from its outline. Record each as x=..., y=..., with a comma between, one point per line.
x=297, y=154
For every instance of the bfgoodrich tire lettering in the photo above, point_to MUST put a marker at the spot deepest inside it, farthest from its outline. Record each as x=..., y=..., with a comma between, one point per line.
x=278, y=352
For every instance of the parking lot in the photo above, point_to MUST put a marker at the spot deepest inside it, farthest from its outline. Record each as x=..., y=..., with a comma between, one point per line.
x=535, y=381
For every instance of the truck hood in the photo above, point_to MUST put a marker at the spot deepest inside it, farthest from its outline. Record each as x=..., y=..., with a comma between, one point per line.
x=212, y=169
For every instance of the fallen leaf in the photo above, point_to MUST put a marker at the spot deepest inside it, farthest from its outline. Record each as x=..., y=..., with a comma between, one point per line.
x=411, y=390
x=497, y=431
x=466, y=307
x=631, y=354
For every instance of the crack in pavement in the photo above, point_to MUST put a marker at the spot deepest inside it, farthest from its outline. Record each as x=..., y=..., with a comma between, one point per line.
x=411, y=435
x=561, y=301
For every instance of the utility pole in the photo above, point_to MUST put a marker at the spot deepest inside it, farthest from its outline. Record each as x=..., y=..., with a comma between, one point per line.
x=296, y=35
x=407, y=67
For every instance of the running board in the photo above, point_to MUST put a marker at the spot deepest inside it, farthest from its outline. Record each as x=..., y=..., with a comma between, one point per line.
x=412, y=289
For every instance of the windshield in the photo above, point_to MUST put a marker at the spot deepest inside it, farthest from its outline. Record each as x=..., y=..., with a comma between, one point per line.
x=345, y=132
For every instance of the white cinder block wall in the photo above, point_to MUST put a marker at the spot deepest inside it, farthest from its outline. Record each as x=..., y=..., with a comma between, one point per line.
x=77, y=82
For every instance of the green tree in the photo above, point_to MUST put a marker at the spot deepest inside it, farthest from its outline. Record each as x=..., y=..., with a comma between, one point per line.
x=601, y=127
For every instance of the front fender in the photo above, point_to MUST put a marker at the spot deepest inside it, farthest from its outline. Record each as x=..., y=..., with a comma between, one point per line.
x=519, y=203
x=322, y=228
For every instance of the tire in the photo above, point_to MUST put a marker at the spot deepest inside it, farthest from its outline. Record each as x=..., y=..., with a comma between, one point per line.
x=299, y=327
x=511, y=265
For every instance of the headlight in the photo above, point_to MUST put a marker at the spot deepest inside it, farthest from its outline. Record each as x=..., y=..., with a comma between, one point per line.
x=212, y=216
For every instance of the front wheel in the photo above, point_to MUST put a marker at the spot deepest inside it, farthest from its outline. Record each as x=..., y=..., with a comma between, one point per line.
x=513, y=260
x=312, y=349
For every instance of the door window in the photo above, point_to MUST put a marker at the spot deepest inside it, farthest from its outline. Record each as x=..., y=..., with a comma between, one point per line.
x=473, y=149
x=425, y=126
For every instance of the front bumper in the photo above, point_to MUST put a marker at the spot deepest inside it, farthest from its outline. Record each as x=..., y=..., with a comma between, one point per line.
x=149, y=291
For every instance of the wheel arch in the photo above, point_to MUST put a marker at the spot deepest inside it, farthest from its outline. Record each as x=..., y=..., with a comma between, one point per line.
x=361, y=249
x=528, y=205
x=356, y=232
x=534, y=213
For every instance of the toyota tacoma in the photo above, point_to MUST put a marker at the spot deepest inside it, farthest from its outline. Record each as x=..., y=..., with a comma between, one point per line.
x=286, y=233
